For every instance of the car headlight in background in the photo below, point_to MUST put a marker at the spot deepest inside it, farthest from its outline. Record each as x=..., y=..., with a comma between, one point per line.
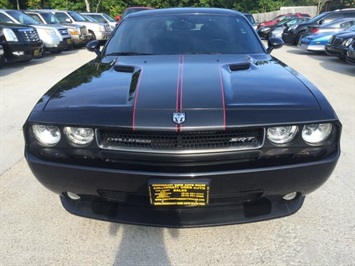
x=348, y=42
x=10, y=35
x=79, y=135
x=46, y=135
x=281, y=135
x=74, y=31
x=316, y=133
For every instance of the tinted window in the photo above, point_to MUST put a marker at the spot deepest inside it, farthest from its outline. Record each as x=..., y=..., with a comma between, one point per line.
x=184, y=34
x=22, y=17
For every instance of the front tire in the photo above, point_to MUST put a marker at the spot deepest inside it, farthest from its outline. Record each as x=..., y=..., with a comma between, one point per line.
x=298, y=37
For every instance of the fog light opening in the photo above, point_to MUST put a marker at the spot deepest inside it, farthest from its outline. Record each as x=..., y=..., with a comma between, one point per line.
x=290, y=196
x=73, y=196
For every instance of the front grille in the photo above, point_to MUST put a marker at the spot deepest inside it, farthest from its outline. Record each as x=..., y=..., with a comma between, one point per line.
x=335, y=41
x=180, y=142
x=29, y=35
x=63, y=32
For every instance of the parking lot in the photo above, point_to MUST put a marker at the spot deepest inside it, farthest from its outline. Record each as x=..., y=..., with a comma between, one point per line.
x=36, y=230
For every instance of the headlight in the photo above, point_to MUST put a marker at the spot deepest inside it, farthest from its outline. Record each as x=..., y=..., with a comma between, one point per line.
x=79, y=135
x=46, y=135
x=48, y=31
x=316, y=133
x=73, y=31
x=281, y=135
x=10, y=35
x=348, y=42
x=265, y=29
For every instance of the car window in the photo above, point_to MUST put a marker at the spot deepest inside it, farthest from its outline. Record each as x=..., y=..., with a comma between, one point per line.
x=36, y=17
x=98, y=18
x=77, y=17
x=108, y=18
x=5, y=19
x=50, y=18
x=61, y=16
x=22, y=17
x=184, y=34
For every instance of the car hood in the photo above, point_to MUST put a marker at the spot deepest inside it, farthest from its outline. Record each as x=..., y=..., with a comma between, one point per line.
x=149, y=89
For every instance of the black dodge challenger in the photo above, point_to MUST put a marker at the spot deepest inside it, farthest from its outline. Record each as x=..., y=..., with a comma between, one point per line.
x=183, y=119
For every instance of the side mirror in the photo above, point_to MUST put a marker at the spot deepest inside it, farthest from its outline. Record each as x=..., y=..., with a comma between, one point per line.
x=68, y=20
x=274, y=43
x=94, y=46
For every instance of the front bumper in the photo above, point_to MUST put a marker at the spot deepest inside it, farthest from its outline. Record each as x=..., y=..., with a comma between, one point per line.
x=63, y=45
x=236, y=196
x=312, y=47
x=17, y=52
x=102, y=35
x=335, y=51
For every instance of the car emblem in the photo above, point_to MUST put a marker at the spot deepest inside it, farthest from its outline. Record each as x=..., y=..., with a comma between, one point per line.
x=179, y=118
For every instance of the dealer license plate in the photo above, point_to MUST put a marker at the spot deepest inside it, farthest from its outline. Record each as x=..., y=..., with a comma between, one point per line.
x=36, y=53
x=178, y=192
x=68, y=41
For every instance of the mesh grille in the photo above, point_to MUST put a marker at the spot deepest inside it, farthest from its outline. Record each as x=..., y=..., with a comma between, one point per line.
x=241, y=139
x=29, y=35
x=336, y=41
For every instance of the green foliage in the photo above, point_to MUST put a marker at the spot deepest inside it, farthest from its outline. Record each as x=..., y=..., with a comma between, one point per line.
x=114, y=7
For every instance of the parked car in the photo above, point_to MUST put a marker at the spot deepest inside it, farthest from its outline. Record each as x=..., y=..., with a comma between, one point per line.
x=128, y=137
x=2, y=56
x=20, y=43
x=251, y=20
x=282, y=17
x=339, y=43
x=278, y=30
x=79, y=33
x=101, y=17
x=134, y=9
x=350, y=54
x=97, y=30
x=56, y=38
x=294, y=33
x=319, y=36
x=266, y=31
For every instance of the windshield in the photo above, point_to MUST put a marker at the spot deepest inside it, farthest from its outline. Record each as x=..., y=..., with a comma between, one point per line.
x=22, y=17
x=316, y=18
x=109, y=18
x=77, y=17
x=184, y=34
x=50, y=18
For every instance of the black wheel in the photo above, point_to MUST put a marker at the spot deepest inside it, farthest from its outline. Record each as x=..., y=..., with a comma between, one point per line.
x=298, y=37
x=92, y=34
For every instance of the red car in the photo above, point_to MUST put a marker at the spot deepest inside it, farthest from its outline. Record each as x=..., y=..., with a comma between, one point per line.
x=282, y=17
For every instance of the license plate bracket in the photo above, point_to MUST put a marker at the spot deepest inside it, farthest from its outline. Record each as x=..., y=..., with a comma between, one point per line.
x=179, y=192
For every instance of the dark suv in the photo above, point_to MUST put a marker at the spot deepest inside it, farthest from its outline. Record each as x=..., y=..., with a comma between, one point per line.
x=294, y=33
x=20, y=42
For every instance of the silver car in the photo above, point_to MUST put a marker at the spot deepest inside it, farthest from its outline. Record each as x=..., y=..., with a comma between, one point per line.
x=97, y=30
x=78, y=33
x=56, y=38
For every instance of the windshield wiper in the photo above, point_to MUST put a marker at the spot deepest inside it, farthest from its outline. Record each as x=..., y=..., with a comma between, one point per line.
x=126, y=53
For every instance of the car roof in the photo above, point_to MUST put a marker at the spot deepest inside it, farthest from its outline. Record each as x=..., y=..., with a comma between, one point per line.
x=186, y=10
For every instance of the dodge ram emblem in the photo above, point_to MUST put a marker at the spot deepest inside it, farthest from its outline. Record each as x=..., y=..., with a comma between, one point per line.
x=179, y=118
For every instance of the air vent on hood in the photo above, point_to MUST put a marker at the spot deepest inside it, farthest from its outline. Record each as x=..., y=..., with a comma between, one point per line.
x=240, y=66
x=125, y=69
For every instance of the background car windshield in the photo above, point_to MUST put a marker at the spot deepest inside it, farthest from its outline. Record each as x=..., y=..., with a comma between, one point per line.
x=22, y=17
x=77, y=17
x=109, y=18
x=50, y=18
x=184, y=34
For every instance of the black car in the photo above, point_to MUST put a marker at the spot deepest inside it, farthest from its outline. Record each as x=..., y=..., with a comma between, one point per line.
x=339, y=43
x=265, y=32
x=294, y=33
x=2, y=56
x=184, y=119
x=20, y=42
x=350, y=54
